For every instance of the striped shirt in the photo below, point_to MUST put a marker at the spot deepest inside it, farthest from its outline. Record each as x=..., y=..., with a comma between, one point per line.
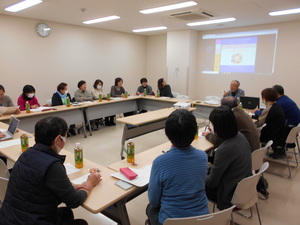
x=177, y=183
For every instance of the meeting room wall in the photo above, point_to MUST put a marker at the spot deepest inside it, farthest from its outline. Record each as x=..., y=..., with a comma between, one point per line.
x=156, y=64
x=69, y=54
x=286, y=70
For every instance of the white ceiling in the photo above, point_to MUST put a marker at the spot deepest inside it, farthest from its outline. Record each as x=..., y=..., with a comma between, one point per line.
x=246, y=12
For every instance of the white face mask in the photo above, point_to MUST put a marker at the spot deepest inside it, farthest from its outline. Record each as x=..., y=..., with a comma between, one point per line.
x=58, y=149
x=66, y=92
x=30, y=95
x=99, y=87
x=212, y=127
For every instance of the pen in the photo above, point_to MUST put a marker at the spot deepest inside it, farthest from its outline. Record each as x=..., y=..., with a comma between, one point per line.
x=205, y=128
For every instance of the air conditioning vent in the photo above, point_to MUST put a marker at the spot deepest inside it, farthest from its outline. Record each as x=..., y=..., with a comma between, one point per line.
x=191, y=16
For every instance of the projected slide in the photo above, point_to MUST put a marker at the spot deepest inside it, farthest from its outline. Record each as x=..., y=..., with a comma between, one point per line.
x=238, y=55
x=242, y=52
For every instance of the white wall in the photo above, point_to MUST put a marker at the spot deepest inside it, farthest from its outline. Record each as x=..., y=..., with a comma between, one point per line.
x=68, y=54
x=286, y=72
x=156, y=59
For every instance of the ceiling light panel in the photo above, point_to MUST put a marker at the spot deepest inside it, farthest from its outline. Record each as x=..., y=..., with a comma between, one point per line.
x=149, y=29
x=22, y=5
x=207, y=22
x=284, y=12
x=103, y=19
x=169, y=7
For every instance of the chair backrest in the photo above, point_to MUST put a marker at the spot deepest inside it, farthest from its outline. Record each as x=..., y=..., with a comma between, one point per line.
x=3, y=170
x=258, y=156
x=3, y=187
x=245, y=194
x=217, y=218
x=263, y=168
x=291, y=138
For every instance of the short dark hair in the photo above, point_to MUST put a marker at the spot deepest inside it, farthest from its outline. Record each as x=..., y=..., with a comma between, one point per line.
x=229, y=101
x=97, y=82
x=61, y=86
x=144, y=80
x=181, y=127
x=117, y=80
x=279, y=89
x=159, y=83
x=269, y=94
x=80, y=83
x=2, y=88
x=28, y=89
x=224, y=122
x=47, y=129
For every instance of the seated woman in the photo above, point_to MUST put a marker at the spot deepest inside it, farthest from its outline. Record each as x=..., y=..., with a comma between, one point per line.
x=177, y=180
x=118, y=90
x=60, y=98
x=28, y=96
x=164, y=88
x=82, y=94
x=96, y=91
x=6, y=100
x=232, y=161
x=273, y=117
x=39, y=183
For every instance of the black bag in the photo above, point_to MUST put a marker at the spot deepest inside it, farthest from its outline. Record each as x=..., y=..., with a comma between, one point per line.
x=262, y=186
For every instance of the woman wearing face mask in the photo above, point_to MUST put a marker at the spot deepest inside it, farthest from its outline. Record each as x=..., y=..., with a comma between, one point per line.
x=39, y=183
x=98, y=89
x=273, y=117
x=28, y=96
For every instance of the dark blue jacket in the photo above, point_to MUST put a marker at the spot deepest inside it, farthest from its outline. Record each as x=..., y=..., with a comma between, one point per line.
x=291, y=110
x=27, y=190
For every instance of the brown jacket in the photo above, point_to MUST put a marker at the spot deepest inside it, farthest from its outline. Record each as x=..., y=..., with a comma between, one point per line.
x=245, y=126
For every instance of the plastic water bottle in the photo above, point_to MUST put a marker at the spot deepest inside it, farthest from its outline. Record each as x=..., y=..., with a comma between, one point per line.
x=158, y=93
x=100, y=98
x=145, y=92
x=27, y=106
x=78, y=154
x=108, y=97
x=68, y=104
x=130, y=151
x=24, y=141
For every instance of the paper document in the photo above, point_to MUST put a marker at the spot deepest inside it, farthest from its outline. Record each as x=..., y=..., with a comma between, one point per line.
x=212, y=102
x=70, y=168
x=39, y=109
x=141, y=180
x=8, y=110
x=5, y=144
x=80, y=180
x=115, y=98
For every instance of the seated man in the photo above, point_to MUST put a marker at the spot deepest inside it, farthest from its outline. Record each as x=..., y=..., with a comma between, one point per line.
x=244, y=123
x=177, y=180
x=232, y=161
x=290, y=108
x=234, y=91
x=39, y=183
x=144, y=85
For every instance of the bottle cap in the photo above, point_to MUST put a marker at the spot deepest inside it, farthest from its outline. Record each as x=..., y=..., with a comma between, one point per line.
x=77, y=144
x=130, y=140
x=23, y=132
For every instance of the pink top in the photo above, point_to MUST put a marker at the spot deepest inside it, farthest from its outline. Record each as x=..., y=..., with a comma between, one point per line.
x=22, y=102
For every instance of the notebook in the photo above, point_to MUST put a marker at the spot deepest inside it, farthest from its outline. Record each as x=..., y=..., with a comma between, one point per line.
x=9, y=134
x=249, y=102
